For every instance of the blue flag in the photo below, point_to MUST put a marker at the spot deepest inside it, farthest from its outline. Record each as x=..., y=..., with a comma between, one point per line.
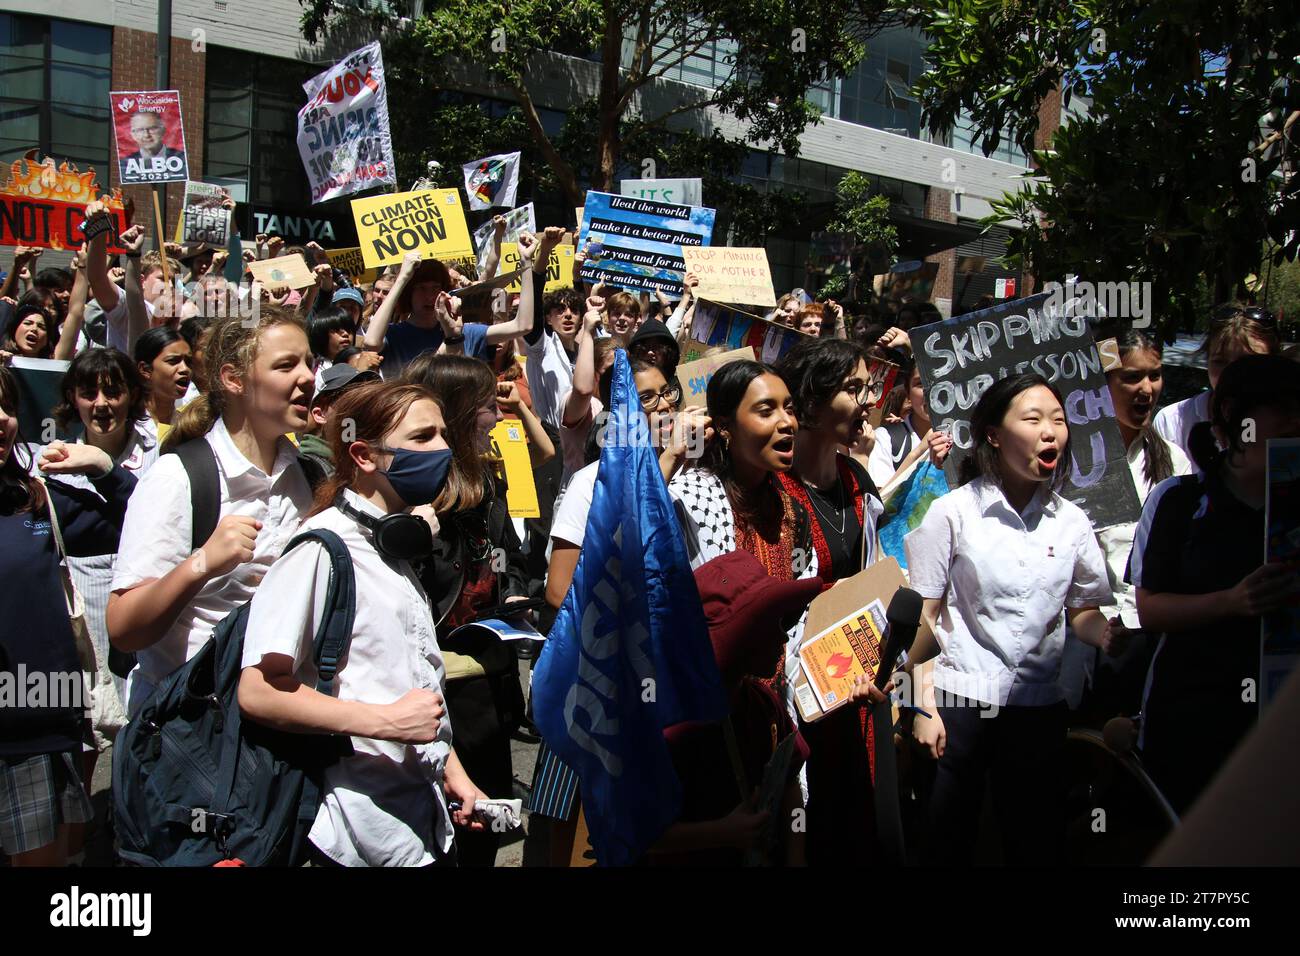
x=629, y=652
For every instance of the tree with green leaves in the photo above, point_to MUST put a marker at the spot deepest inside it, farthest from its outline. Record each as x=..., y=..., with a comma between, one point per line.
x=865, y=219
x=767, y=55
x=1181, y=167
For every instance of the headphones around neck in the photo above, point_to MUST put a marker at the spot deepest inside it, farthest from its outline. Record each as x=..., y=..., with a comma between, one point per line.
x=398, y=537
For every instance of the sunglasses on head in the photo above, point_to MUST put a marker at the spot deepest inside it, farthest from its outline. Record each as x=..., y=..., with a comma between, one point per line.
x=1260, y=316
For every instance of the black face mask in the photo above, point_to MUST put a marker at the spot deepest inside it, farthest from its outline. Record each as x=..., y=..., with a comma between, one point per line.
x=398, y=537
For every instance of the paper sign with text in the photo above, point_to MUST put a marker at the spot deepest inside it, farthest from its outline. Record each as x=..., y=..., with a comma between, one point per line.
x=291, y=271
x=511, y=444
x=637, y=243
x=431, y=222
x=727, y=274
x=559, y=271
x=44, y=204
x=960, y=358
x=694, y=376
x=351, y=264
x=150, y=137
x=343, y=136
x=203, y=219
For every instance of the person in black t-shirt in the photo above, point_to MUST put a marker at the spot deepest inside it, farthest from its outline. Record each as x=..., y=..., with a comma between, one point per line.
x=1198, y=567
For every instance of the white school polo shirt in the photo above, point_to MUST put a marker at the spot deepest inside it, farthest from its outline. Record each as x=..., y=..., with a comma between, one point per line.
x=550, y=376
x=1174, y=423
x=156, y=538
x=1005, y=580
x=383, y=806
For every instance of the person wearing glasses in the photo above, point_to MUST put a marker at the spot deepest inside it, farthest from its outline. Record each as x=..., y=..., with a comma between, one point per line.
x=1235, y=330
x=832, y=391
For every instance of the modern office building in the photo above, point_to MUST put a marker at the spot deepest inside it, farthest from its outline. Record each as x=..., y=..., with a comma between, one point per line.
x=239, y=66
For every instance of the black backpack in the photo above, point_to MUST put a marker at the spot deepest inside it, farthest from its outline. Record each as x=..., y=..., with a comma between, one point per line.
x=901, y=440
x=200, y=463
x=195, y=784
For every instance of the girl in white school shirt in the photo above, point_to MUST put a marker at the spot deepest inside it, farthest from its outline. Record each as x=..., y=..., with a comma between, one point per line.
x=997, y=561
x=165, y=601
x=387, y=804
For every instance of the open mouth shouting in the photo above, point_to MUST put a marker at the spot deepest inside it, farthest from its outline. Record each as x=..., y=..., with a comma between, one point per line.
x=1047, y=459
x=783, y=448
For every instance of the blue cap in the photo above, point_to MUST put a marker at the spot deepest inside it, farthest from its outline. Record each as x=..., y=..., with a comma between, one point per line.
x=348, y=294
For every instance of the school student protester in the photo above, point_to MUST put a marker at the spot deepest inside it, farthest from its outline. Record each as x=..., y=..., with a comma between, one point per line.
x=329, y=332
x=476, y=564
x=42, y=789
x=733, y=499
x=28, y=333
x=654, y=343
x=336, y=380
x=393, y=802
x=1201, y=579
x=622, y=317
x=166, y=598
x=829, y=382
x=581, y=406
x=125, y=320
x=1003, y=562
x=422, y=292
x=551, y=350
x=162, y=357
x=1113, y=685
x=1235, y=330
x=899, y=444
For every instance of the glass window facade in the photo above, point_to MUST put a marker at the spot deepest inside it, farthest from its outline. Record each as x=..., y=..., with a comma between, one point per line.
x=54, y=83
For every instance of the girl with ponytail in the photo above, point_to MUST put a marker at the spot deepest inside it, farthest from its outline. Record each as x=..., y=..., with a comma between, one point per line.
x=1115, y=683
x=1200, y=578
x=169, y=591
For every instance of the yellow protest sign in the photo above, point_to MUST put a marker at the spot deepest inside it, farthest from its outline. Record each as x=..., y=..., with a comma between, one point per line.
x=559, y=271
x=510, y=444
x=430, y=221
x=739, y=276
x=350, y=262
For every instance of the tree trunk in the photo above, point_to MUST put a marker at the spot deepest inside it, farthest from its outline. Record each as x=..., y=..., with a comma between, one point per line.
x=607, y=144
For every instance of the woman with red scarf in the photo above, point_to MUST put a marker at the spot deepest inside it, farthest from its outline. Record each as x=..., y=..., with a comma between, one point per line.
x=831, y=389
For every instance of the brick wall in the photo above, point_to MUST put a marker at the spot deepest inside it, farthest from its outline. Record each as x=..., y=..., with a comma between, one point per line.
x=134, y=66
x=938, y=205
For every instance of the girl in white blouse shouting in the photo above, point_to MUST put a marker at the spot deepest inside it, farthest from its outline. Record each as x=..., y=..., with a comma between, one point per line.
x=392, y=802
x=167, y=596
x=998, y=561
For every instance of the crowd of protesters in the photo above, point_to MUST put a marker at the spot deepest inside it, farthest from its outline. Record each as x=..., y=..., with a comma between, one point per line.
x=343, y=404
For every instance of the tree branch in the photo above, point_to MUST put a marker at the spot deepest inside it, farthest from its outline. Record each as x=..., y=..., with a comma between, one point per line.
x=563, y=171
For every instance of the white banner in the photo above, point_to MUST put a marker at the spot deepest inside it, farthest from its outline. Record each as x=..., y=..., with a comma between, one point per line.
x=517, y=221
x=492, y=181
x=684, y=192
x=343, y=135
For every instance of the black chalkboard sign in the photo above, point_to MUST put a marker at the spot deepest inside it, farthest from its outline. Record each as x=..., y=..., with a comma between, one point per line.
x=960, y=358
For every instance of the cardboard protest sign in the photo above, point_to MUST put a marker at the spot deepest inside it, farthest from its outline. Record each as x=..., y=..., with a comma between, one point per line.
x=559, y=270
x=150, y=137
x=349, y=262
x=44, y=205
x=637, y=243
x=684, y=192
x=731, y=274
x=517, y=221
x=343, y=135
x=511, y=444
x=694, y=376
x=960, y=358
x=203, y=219
x=1280, y=629
x=431, y=222
x=718, y=325
x=492, y=180
x=291, y=271
x=882, y=376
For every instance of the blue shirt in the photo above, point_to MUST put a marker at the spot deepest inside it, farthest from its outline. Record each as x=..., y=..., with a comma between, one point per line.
x=405, y=342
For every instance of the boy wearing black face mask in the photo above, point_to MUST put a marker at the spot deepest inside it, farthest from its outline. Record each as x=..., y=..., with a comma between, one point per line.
x=389, y=453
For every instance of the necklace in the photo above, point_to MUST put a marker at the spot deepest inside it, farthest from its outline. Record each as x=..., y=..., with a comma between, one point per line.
x=814, y=494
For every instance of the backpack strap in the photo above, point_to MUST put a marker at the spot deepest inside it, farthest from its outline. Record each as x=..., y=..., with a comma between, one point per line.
x=335, y=632
x=200, y=463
